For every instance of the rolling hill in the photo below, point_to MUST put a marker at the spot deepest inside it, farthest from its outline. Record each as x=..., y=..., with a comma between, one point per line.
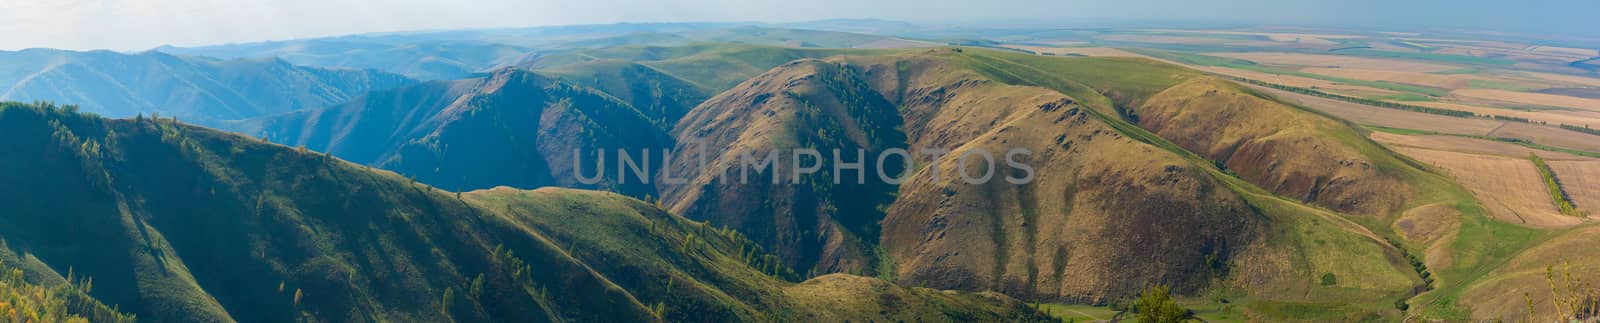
x=512, y=128
x=180, y=223
x=448, y=55
x=198, y=89
x=1148, y=173
x=423, y=60
x=436, y=130
x=930, y=99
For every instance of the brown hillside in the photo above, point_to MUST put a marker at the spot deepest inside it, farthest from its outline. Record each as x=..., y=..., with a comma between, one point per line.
x=1554, y=276
x=1292, y=152
x=801, y=104
x=1103, y=209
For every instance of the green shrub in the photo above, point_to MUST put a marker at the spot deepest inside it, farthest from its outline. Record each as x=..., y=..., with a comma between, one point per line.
x=1155, y=305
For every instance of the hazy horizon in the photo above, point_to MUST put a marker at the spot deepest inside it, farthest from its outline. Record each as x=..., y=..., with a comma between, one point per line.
x=128, y=25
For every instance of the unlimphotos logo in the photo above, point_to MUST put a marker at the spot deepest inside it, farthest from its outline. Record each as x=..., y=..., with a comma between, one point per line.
x=976, y=166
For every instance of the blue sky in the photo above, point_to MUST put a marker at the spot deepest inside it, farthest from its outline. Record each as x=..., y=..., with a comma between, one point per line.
x=143, y=24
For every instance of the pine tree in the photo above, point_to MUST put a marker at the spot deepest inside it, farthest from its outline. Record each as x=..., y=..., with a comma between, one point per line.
x=449, y=297
x=477, y=287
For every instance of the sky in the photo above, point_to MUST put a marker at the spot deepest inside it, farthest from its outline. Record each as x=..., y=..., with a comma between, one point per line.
x=144, y=24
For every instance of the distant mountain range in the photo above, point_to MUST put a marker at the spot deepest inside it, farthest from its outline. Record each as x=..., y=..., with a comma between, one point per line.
x=198, y=89
x=423, y=59
x=447, y=55
x=211, y=84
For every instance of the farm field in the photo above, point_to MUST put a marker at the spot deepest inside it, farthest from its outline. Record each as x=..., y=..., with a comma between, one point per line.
x=1391, y=118
x=1550, y=116
x=1570, y=79
x=1472, y=146
x=1581, y=179
x=1283, y=37
x=1548, y=136
x=1448, y=81
x=1085, y=51
x=1510, y=187
x=1371, y=115
x=1318, y=60
x=1458, y=88
x=1537, y=99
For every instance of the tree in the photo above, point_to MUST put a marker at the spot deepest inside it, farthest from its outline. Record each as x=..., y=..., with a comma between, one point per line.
x=1155, y=305
x=449, y=297
x=477, y=286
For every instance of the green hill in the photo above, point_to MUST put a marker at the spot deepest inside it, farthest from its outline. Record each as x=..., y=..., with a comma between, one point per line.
x=180, y=223
x=1148, y=173
x=512, y=128
x=1242, y=236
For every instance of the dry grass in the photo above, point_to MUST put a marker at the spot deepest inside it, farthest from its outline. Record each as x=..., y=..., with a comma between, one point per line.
x=891, y=43
x=1581, y=179
x=1370, y=115
x=1504, y=296
x=1164, y=39
x=1548, y=116
x=1569, y=79
x=1452, y=81
x=1526, y=98
x=1254, y=136
x=1085, y=51
x=844, y=298
x=1549, y=136
x=1470, y=146
x=1318, y=39
x=1432, y=225
x=1511, y=188
x=1513, y=51
x=1299, y=81
x=1254, y=33
x=1315, y=60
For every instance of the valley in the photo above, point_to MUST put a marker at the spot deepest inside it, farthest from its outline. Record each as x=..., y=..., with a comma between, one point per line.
x=1258, y=174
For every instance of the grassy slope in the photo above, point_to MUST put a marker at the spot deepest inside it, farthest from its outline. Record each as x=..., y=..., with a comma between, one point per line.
x=1475, y=250
x=661, y=97
x=693, y=268
x=194, y=224
x=53, y=299
x=816, y=226
x=513, y=127
x=1480, y=245
x=176, y=222
x=1100, y=73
